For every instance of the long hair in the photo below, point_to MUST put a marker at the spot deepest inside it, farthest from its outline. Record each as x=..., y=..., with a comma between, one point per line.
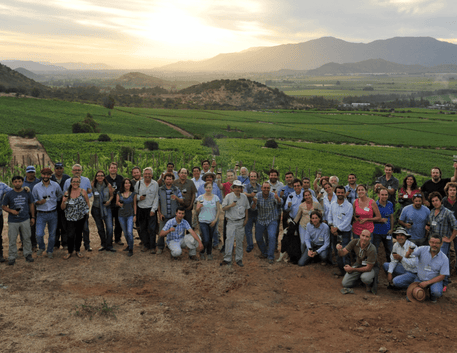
x=122, y=188
x=94, y=182
x=414, y=186
x=71, y=186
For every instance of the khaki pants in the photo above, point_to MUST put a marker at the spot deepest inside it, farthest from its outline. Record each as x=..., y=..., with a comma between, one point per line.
x=13, y=231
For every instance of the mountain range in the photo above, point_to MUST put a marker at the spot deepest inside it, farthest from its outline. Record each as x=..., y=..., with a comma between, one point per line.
x=425, y=51
x=47, y=66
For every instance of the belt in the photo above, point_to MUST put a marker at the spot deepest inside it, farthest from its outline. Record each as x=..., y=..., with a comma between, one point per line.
x=47, y=211
x=236, y=220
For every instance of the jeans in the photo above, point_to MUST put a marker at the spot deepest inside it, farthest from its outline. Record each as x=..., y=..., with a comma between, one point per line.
x=436, y=289
x=305, y=259
x=127, y=228
x=445, y=249
x=51, y=220
x=161, y=241
x=61, y=231
x=117, y=225
x=271, y=230
x=104, y=227
x=345, y=260
x=86, y=233
x=15, y=228
x=398, y=270
x=248, y=230
x=1, y=230
x=176, y=246
x=386, y=240
x=148, y=226
x=216, y=234
x=207, y=233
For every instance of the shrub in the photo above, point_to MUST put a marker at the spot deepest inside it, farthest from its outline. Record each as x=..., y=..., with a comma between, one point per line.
x=271, y=144
x=91, y=122
x=127, y=152
x=151, y=145
x=80, y=128
x=27, y=133
x=104, y=138
x=108, y=102
x=208, y=141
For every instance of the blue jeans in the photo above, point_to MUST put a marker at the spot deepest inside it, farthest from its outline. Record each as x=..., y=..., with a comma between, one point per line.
x=445, y=249
x=398, y=270
x=305, y=259
x=271, y=230
x=51, y=219
x=376, y=239
x=216, y=235
x=252, y=218
x=345, y=260
x=104, y=227
x=436, y=289
x=127, y=228
x=207, y=233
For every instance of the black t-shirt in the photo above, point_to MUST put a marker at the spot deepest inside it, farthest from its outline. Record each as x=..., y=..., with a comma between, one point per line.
x=429, y=186
x=116, y=183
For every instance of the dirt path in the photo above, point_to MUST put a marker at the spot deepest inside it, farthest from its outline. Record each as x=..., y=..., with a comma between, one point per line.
x=177, y=128
x=27, y=151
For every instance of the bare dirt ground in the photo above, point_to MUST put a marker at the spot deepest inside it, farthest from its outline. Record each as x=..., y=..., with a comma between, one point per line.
x=27, y=151
x=164, y=305
x=177, y=128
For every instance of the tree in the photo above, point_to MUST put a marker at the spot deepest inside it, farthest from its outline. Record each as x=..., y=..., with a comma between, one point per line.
x=78, y=128
x=104, y=138
x=271, y=144
x=108, y=102
x=151, y=145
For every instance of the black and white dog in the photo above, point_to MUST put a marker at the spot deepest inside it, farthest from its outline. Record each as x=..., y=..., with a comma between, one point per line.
x=290, y=243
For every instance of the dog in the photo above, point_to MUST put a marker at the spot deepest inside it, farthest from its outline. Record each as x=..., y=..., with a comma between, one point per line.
x=290, y=243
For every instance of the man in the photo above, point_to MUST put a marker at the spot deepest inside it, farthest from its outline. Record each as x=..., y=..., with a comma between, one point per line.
x=175, y=230
x=46, y=195
x=317, y=240
x=170, y=169
x=414, y=218
x=436, y=184
x=85, y=184
x=61, y=232
x=226, y=189
x=209, y=176
x=136, y=175
x=402, y=269
x=266, y=204
x=432, y=267
x=188, y=191
x=275, y=187
x=116, y=182
x=442, y=222
x=170, y=198
x=351, y=188
x=294, y=200
x=383, y=230
x=235, y=206
x=29, y=182
x=4, y=189
x=334, y=180
x=197, y=178
x=251, y=190
x=284, y=194
x=389, y=182
x=450, y=203
x=206, y=166
x=244, y=176
x=365, y=267
x=19, y=204
x=339, y=221
x=147, y=191
x=306, y=184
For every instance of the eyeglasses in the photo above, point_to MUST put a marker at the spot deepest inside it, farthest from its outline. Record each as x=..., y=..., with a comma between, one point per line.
x=417, y=195
x=75, y=182
x=77, y=170
x=100, y=175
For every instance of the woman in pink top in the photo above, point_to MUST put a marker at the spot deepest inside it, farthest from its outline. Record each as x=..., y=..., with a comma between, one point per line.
x=409, y=189
x=365, y=212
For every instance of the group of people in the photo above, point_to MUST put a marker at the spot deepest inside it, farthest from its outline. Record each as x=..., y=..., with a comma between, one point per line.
x=332, y=221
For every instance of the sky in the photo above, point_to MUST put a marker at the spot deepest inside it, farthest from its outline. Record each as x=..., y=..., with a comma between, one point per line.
x=150, y=33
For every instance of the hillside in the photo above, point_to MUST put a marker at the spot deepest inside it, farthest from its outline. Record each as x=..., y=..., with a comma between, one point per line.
x=244, y=94
x=27, y=73
x=310, y=55
x=139, y=80
x=13, y=79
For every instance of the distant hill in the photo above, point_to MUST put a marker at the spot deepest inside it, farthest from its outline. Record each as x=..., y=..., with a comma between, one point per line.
x=13, y=79
x=310, y=55
x=32, y=65
x=27, y=73
x=241, y=93
x=140, y=80
x=84, y=66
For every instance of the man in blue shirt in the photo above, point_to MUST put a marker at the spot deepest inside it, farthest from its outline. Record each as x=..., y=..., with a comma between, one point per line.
x=383, y=230
x=19, y=204
x=432, y=267
x=351, y=188
x=46, y=194
x=174, y=230
x=414, y=218
x=284, y=193
x=294, y=199
x=61, y=233
x=4, y=189
x=30, y=181
x=251, y=190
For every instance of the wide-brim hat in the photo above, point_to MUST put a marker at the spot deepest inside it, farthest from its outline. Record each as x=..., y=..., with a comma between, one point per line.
x=415, y=293
x=237, y=183
x=401, y=230
x=208, y=174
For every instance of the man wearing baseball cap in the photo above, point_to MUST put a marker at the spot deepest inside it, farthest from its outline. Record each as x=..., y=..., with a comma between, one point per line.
x=46, y=193
x=401, y=270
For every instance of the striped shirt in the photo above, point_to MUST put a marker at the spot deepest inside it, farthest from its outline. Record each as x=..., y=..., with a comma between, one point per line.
x=267, y=208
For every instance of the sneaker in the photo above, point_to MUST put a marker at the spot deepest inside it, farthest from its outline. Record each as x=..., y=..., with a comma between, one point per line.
x=126, y=248
x=433, y=300
x=65, y=247
x=144, y=249
x=240, y=263
x=102, y=248
x=11, y=262
x=222, y=249
x=271, y=261
x=29, y=258
x=153, y=251
x=225, y=263
x=111, y=249
x=209, y=257
x=249, y=249
x=39, y=252
x=159, y=251
x=89, y=249
x=193, y=258
x=2, y=259
x=202, y=257
x=50, y=255
x=119, y=242
x=130, y=253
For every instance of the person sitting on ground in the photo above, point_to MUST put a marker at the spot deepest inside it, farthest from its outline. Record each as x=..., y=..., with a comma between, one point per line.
x=365, y=267
x=317, y=240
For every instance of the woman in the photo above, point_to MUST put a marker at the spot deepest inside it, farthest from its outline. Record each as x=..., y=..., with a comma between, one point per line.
x=75, y=205
x=303, y=214
x=366, y=212
x=208, y=211
x=126, y=200
x=101, y=210
x=408, y=190
x=317, y=240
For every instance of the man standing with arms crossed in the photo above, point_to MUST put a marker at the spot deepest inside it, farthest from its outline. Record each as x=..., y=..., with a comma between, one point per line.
x=46, y=193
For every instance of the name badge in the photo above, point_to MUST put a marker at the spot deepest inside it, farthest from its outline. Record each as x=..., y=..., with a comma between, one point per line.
x=340, y=216
x=321, y=238
x=96, y=193
x=389, y=187
x=364, y=263
x=71, y=202
x=434, y=224
x=427, y=268
x=366, y=209
x=389, y=237
x=405, y=196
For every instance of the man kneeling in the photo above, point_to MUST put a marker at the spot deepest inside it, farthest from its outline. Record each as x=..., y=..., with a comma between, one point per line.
x=174, y=230
x=365, y=267
x=317, y=240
